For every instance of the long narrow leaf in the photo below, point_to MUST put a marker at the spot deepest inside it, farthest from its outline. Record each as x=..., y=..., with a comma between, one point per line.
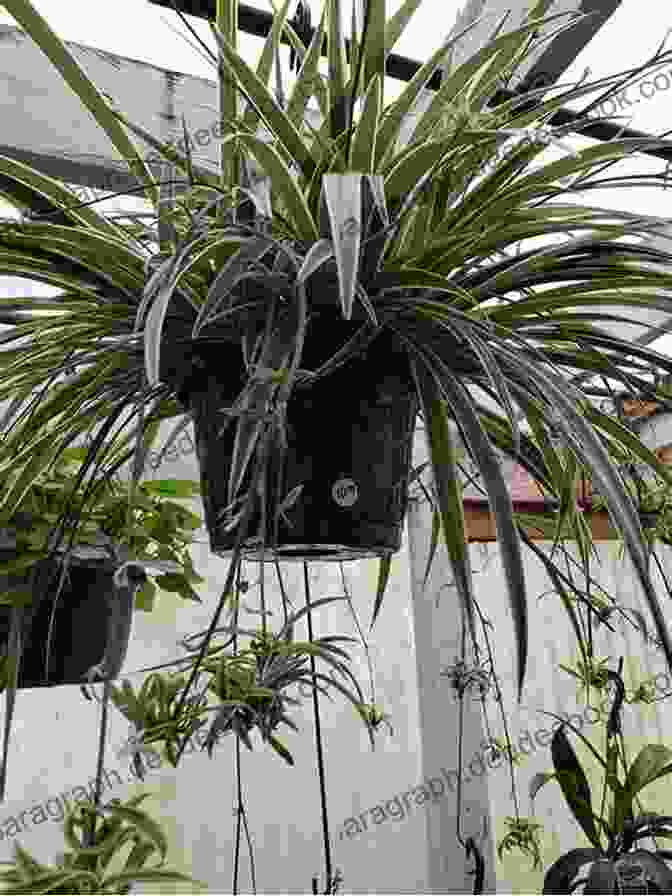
x=338, y=98
x=284, y=185
x=272, y=114
x=447, y=485
x=384, y=565
x=574, y=784
x=500, y=501
x=363, y=150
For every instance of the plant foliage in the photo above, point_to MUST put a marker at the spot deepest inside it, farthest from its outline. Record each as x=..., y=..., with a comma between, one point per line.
x=463, y=240
x=137, y=522
x=246, y=689
x=85, y=866
x=615, y=862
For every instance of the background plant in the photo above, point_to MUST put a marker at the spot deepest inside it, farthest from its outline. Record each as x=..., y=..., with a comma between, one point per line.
x=614, y=861
x=137, y=522
x=85, y=867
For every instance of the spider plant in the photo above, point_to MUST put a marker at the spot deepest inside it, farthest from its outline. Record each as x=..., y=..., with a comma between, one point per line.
x=155, y=715
x=133, y=522
x=615, y=862
x=653, y=502
x=125, y=525
x=85, y=866
x=460, y=248
x=246, y=689
x=649, y=491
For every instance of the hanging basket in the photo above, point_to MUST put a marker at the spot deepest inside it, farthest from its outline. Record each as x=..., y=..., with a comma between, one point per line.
x=349, y=441
x=81, y=615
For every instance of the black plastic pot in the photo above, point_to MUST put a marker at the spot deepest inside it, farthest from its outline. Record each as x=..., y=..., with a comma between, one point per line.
x=349, y=443
x=80, y=620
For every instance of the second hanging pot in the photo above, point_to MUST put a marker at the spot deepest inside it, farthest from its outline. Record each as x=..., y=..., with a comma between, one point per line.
x=74, y=622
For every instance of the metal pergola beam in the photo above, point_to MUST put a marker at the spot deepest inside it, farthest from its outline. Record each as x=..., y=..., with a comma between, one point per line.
x=557, y=56
x=257, y=22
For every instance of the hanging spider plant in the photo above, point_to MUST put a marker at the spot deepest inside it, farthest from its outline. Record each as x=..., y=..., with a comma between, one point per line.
x=128, y=521
x=75, y=563
x=246, y=689
x=369, y=269
x=156, y=715
x=84, y=867
x=63, y=550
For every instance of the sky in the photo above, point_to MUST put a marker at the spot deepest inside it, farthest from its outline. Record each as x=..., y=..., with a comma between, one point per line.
x=140, y=30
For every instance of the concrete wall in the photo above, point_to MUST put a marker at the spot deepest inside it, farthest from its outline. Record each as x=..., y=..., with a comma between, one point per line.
x=43, y=118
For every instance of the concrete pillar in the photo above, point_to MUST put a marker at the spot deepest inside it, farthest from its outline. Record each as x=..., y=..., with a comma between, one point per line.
x=437, y=625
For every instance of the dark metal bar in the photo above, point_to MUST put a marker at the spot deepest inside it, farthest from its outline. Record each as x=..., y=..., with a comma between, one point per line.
x=257, y=22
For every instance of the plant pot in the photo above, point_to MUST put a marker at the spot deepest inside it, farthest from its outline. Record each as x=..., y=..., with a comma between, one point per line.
x=349, y=441
x=80, y=626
